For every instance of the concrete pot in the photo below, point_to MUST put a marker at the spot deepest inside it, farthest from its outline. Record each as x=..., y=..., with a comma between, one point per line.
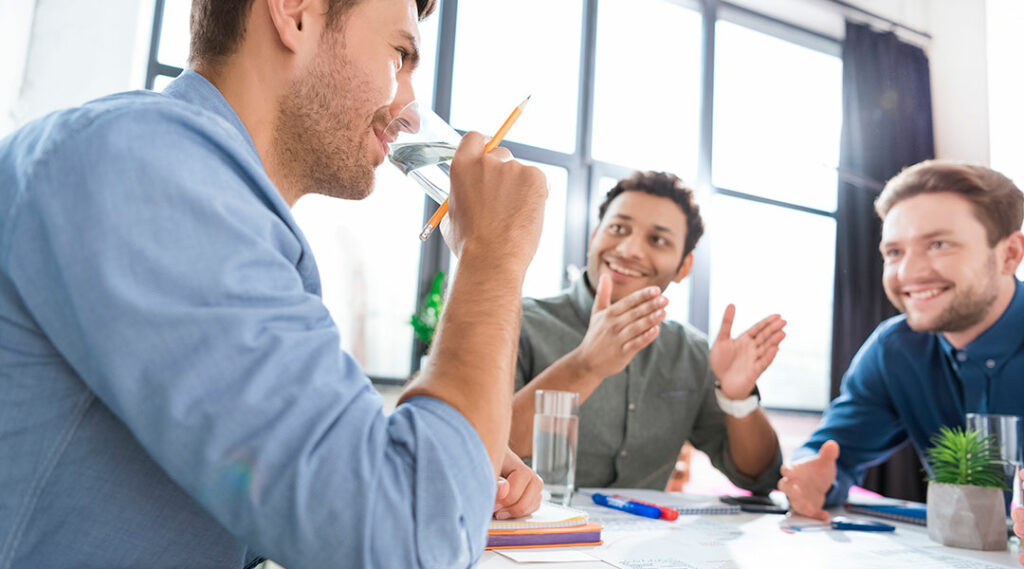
x=970, y=517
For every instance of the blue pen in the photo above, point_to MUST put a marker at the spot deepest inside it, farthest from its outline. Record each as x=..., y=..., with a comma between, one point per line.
x=847, y=524
x=627, y=506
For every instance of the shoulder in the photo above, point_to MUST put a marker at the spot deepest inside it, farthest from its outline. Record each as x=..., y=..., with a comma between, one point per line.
x=894, y=336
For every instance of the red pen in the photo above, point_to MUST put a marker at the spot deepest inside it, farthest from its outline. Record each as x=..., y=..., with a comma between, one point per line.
x=670, y=514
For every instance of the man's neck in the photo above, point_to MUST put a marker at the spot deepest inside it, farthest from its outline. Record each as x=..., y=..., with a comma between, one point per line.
x=255, y=100
x=960, y=339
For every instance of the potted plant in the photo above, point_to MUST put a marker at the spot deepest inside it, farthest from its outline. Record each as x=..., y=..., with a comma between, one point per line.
x=965, y=493
x=424, y=321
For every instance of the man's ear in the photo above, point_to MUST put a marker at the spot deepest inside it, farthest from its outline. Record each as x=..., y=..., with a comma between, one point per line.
x=293, y=21
x=1013, y=252
x=685, y=268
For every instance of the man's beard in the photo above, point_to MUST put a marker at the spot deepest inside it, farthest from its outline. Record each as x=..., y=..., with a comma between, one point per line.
x=318, y=139
x=967, y=308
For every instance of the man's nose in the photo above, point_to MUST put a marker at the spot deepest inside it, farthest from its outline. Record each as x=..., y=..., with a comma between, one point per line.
x=630, y=246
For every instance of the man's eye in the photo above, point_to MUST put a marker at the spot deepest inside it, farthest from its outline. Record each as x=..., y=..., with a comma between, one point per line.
x=616, y=228
x=891, y=253
x=939, y=245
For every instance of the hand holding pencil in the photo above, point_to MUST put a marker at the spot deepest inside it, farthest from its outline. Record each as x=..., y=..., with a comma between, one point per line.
x=497, y=208
x=493, y=143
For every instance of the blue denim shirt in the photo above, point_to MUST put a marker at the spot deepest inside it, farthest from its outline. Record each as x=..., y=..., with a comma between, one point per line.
x=904, y=385
x=172, y=392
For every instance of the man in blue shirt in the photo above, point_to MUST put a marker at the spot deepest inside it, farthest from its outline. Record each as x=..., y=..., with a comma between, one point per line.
x=951, y=243
x=172, y=393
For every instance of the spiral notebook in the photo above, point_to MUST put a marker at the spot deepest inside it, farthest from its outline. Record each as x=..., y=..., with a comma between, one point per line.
x=891, y=509
x=548, y=516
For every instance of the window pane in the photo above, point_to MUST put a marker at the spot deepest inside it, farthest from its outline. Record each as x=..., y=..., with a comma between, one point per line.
x=544, y=276
x=174, y=34
x=678, y=294
x=506, y=51
x=782, y=143
x=423, y=77
x=767, y=259
x=648, y=86
x=160, y=82
x=368, y=254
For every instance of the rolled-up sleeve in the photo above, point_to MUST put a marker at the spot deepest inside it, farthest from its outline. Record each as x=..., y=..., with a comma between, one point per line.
x=150, y=254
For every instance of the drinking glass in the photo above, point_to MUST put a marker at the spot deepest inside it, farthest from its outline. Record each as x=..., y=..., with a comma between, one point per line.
x=555, y=430
x=422, y=146
x=1006, y=433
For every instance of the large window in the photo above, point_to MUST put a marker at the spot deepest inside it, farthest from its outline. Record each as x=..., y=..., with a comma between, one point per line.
x=743, y=107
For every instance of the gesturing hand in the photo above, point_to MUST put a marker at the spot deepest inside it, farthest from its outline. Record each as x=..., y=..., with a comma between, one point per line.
x=738, y=362
x=807, y=481
x=618, y=331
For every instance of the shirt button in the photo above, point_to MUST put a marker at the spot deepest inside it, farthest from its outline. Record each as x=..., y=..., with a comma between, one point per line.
x=623, y=453
x=632, y=406
x=962, y=356
x=990, y=364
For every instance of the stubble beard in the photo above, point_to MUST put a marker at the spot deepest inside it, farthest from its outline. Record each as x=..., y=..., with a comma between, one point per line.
x=318, y=138
x=967, y=308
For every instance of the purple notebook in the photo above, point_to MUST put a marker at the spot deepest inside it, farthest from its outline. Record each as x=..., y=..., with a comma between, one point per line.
x=582, y=535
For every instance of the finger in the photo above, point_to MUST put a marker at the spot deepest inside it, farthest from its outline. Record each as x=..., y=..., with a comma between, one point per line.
x=773, y=340
x=603, y=297
x=786, y=470
x=725, y=332
x=801, y=504
x=829, y=450
x=762, y=324
x=631, y=301
x=638, y=320
x=1018, y=515
x=518, y=480
x=471, y=146
x=502, y=492
x=501, y=153
x=765, y=359
x=642, y=341
x=528, y=502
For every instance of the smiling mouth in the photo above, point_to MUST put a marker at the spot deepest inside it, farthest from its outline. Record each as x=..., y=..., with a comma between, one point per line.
x=623, y=270
x=925, y=294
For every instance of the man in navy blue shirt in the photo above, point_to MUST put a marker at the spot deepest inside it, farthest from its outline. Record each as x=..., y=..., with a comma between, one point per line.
x=951, y=243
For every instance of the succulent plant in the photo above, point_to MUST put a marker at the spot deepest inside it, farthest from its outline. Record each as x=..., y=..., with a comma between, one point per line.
x=966, y=458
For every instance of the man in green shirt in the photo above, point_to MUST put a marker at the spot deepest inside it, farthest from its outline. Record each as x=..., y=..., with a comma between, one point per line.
x=646, y=385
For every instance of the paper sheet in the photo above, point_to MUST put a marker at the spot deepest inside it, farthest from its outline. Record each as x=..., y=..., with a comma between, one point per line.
x=552, y=555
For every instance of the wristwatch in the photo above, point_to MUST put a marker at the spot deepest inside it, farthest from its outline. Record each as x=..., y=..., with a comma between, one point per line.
x=739, y=408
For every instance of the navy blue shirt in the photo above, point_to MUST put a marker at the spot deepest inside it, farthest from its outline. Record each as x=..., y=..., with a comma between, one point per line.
x=904, y=385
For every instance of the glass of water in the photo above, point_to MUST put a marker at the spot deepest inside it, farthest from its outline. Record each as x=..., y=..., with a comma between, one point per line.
x=1006, y=433
x=422, y=147
x=555, y=431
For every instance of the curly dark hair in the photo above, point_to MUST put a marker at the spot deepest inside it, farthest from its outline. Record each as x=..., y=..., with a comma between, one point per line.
x=218, y=26
x=668, y=186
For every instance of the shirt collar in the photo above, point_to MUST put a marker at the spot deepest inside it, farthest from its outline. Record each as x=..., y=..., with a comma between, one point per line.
x=192, y=87
x=581, y=298
x=1001, y=340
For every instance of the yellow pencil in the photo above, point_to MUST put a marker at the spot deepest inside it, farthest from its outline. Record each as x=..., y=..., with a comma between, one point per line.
x=493, y=143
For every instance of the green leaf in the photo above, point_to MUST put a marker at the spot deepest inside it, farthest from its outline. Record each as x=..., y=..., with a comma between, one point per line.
x=965, y=458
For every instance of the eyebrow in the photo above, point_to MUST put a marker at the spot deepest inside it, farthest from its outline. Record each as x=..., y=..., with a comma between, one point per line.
x=414, y=52
x=656, y=227
x=925, y=237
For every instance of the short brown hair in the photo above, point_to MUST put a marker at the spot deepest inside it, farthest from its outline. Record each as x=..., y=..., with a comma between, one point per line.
x=998, y=203
x=218, y=26
x=667, y=186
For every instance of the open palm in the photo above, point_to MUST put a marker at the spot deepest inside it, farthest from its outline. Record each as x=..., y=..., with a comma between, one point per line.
x=738, y=362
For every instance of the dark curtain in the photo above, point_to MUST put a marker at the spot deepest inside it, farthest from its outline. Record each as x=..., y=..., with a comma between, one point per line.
x=887, y=125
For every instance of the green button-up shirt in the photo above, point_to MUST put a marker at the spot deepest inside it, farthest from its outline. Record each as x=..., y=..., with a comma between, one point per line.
x=633, y=425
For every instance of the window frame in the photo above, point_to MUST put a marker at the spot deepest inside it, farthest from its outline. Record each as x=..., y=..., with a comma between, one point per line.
x=584, y=172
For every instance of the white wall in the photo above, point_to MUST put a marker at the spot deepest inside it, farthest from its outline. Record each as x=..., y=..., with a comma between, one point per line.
x=80, y=50
x=15, y=34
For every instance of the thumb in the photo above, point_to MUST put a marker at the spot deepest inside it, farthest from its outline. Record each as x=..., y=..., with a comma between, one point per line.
x=503, y=489
x=726, y=330
x=829, y=451
x=603, y=296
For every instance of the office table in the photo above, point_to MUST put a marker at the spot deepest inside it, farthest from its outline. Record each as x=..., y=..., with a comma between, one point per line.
x=748, y=541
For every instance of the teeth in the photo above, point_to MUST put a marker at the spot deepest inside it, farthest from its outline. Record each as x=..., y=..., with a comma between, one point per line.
x=620, y=269
x=924, y=294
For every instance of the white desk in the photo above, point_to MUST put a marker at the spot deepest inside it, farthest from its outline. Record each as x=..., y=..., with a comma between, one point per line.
x=748, y=541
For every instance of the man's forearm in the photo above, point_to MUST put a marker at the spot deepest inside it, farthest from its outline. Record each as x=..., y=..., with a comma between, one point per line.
x=752, y=443
x=473, y=354
x=568, y=373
